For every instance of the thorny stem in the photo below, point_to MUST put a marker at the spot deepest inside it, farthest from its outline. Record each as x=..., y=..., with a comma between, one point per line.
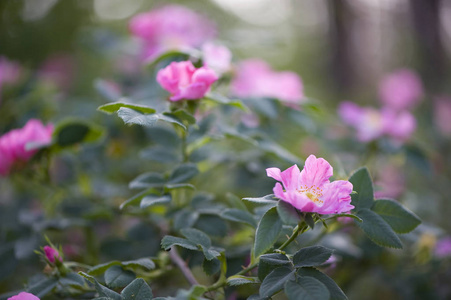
x=181, y=264
x=297, y=230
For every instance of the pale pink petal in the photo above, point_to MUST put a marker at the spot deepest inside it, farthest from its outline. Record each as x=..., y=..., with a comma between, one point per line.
x=316, y=172
x=290, y=178
x=350, y=113
x=278, y=191
x=336, y=197
x=274, y=173
x=24, y=296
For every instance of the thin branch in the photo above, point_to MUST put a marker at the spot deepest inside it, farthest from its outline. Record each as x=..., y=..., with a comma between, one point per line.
x=181, y=264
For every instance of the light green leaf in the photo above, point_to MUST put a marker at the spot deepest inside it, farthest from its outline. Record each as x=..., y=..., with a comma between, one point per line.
x=268, y=199
x=241, y=280
x=268, y=231
x=377, y=229
x=115, y=106
x=147, y=180
x=311, y=256
x=398, y=217
x=183, y=173
x=151, y=200
x=363, y=185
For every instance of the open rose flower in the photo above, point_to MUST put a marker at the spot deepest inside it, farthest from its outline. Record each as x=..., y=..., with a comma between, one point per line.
x=171, y=27
x=13, y=145
x=401, y=89
x=24, y=296
x=52, y=254
x=184, y=81
x=255, y=78
x=217, y=57
x=310, y=190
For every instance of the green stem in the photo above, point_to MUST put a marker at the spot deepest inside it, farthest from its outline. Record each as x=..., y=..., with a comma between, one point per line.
x=297, y=230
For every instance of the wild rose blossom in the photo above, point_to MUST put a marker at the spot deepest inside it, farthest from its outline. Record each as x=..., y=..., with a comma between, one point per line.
x=13, y=145
x=255, y=78
x=24, y=296
x=217, y=57
x=171, y=27
x=310, y=190
x=372, y=123
x=184, y=81
x=52, y=254
x=401, y=89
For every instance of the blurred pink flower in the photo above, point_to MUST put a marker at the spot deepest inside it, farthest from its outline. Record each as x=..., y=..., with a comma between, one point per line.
x=9, y=71
x=58, y=70
x=372, y=123
x=52, y=254
x=24, y=296
x=171, y=27
x=255, y=78
x=390, y=180
x=443, y=247
x=401, y=89
x=442, y=115
x=13, y=145
x=311, y=190
x=184, y=81
x=217, y=57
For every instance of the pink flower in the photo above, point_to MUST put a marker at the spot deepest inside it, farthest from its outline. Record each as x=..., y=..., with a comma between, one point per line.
x=443, y=247
x=24, y=296
x=442, y=115
x=390, y=180
x=217, y=57
x=184, y=81
x=372, y=123
x=51, y=254
x=311, y=190
x=171, y=27
x=255, y=78
x=401, y=89
x=58, y=70
x=13, y=145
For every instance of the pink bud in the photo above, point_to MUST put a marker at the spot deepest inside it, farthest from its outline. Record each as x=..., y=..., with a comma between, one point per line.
x=51, y=254
x=24, y=296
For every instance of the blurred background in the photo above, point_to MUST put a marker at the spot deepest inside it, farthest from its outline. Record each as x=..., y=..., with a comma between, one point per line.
x=341, y=49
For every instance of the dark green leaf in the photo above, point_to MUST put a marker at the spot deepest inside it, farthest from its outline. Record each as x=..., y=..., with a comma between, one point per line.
x=115, y=106
x=72, y=131
x=335, y=292
x=268, y=199
x=212, y=225
x=398, y=217
x=363, y=185
x=137, y=198
x=154, y=200
x=117, y=277
x=287, y=213
x=197, y=237
x=377, y=229
x=183, y=173
x=138, y=289
x=43, y=287
x=311, y=256
x=308, y=218
x=168, y=241
x=306, y=288
x=102, y=290
x=241, y=280
x=275, y=281
x=238, y=215
x=235, y=202
x=72, y=279
x=268, y=231
x=147, y=180
x=269, y=262
x=211, y=267
x=184, y=116
x=145, y=263
x=100, y=269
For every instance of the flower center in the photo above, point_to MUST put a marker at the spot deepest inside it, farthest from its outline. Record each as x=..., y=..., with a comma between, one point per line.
x=313, y=193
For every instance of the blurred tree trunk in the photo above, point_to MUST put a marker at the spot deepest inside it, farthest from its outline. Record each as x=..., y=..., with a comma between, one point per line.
x=426, y=23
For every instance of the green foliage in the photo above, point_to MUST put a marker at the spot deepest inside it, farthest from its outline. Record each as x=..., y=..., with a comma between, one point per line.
x=72, y=131
x=268, y=262
x=275, y=281
x=138, y=289
x=400, y=219
x=306, y=288
x=117, y=277
x=287, y=213
x=268, y=231
x=311, y=256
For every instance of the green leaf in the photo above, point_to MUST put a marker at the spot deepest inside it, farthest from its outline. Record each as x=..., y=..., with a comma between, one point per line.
x=174, y=55
x=268, y=231
x=73, y=131
x=115, y=106
x=131, y=116
x=235, y=201
x=398, y=217
x=306, y=288
x=308, y=218
x=211, y=267
x=363, y=185
x=161, y=154
x=117, y=277
x=168, y=241
x=197, y=237
x=145, y=263
x=72, y=279
x=100, y=269
x=154, y=200
x=311, y=256
x=147, y=180
x=268, y=199
x=238, y=215
x=241, y=280
x=176, y=186
x=269, y=262
x=287, y=213
x=377, y=229
x=275, y=281
x=138, y=289
x=184, y=116
x=217, y=98
x=43, y=287
x=183, y=173
x=102, y=290
x=355, y=217
x=137, y=198
x=335, y=292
